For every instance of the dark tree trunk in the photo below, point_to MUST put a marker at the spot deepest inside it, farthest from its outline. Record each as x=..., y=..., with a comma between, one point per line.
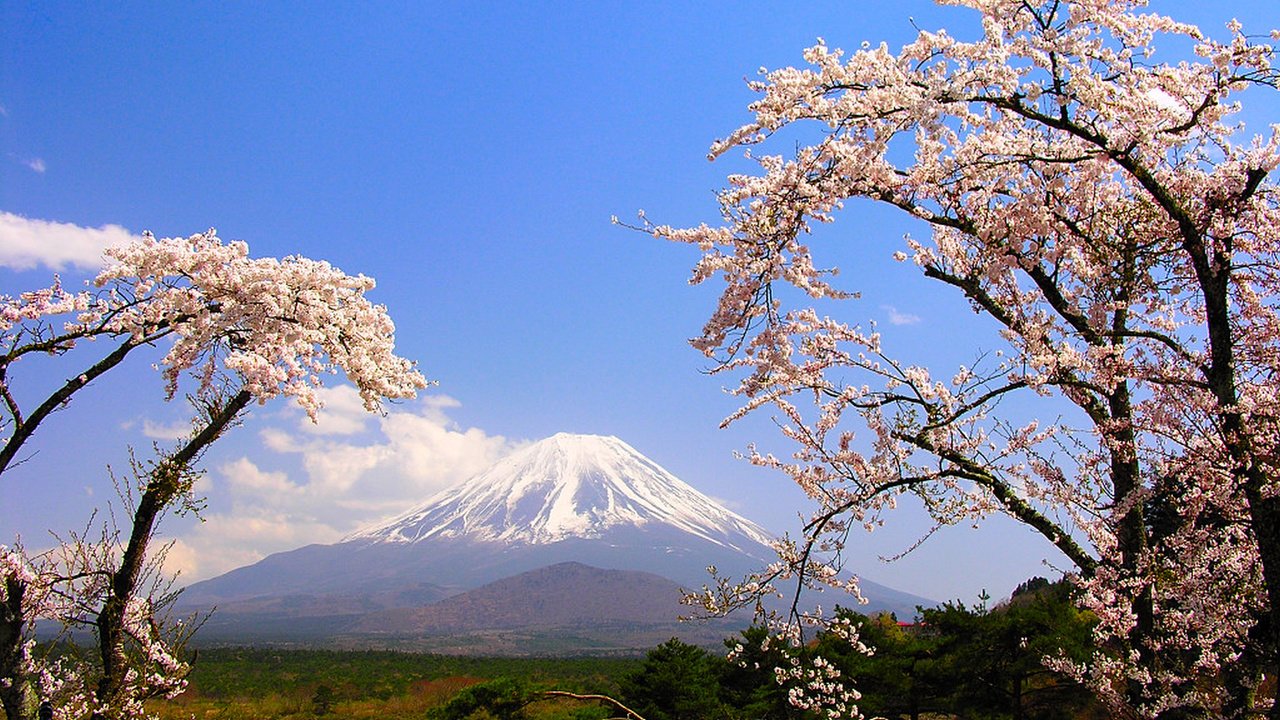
x=163, y=485
x=14, y=696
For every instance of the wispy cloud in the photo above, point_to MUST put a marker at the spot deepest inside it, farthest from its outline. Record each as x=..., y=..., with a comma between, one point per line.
x=733, y=504
x=249, y=479
x=36, y=164
x=343, y=413
x=897, y=317
x=317, y=483
x=26, y=243
x=160, y=431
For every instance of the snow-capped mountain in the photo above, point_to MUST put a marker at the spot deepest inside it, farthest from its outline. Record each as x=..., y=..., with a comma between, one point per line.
x=582, y=499
x=568, y=498
x=568, y=486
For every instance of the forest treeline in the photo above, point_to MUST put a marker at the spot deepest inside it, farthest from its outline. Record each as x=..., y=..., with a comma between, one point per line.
x=951, y=661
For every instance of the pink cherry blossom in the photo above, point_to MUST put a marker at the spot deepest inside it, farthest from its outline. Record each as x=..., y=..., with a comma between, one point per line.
x=237, y=329
x=1101, y=209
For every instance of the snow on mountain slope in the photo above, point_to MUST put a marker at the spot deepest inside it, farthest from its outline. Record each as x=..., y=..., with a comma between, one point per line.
x=564, y=487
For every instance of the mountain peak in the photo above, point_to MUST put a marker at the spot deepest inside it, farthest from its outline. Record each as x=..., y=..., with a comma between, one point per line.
x=568, y=486
x=578, y=438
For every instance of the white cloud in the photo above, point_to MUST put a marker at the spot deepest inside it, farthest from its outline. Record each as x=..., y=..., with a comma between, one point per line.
x=343, y=413
x=900, y=318
x=278, y=440
x=203, y=485
x=226, y=541
x=317, y=483
x=733, y=504
x=27, y=243
x=411, y=452
x=243, y=476
x=181, y=559
x=36, y=164
x=159, y=431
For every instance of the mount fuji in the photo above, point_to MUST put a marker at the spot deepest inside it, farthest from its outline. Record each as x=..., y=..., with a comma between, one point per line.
x=568, y=501
x=571, y=487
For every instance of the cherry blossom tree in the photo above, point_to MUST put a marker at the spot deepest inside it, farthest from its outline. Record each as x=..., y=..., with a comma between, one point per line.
x=238, y=330
x=1094, y=202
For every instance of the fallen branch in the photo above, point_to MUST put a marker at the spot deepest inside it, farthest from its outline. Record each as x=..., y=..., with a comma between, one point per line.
x=630, y=714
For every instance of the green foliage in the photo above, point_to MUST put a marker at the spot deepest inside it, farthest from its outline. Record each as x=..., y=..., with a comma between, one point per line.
x=322, y=701
x=955, y=661
x=747, y=681
x=240, y=672
x=503, y=699
x=905, y=675
x=996, y=658
x=1031, y=586
x=280, y=684
x=677, y=681
x=981, y=663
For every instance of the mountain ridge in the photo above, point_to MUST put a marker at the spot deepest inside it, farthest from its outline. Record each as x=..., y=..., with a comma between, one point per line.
x=568, y=594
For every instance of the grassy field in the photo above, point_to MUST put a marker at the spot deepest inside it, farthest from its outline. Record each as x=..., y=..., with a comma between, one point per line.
x=263, y=684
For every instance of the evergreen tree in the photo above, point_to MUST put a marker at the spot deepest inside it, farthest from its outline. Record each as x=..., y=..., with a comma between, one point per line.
x=322, y=701
x=994, y=660
x=503, y=699
x=747, y=683
x=678, y=681
x=902, y=677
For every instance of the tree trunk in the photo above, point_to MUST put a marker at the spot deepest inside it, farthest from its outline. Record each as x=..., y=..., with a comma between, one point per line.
x=1017, y=697
x=163, y=485
x=1252, y=472
x=16, y=695
x=1264, y=514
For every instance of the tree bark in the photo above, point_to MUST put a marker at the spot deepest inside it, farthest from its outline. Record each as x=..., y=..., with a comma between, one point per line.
x=15, y=696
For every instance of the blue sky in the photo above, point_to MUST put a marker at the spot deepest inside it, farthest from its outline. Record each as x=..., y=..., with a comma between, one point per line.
x=469, y=156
